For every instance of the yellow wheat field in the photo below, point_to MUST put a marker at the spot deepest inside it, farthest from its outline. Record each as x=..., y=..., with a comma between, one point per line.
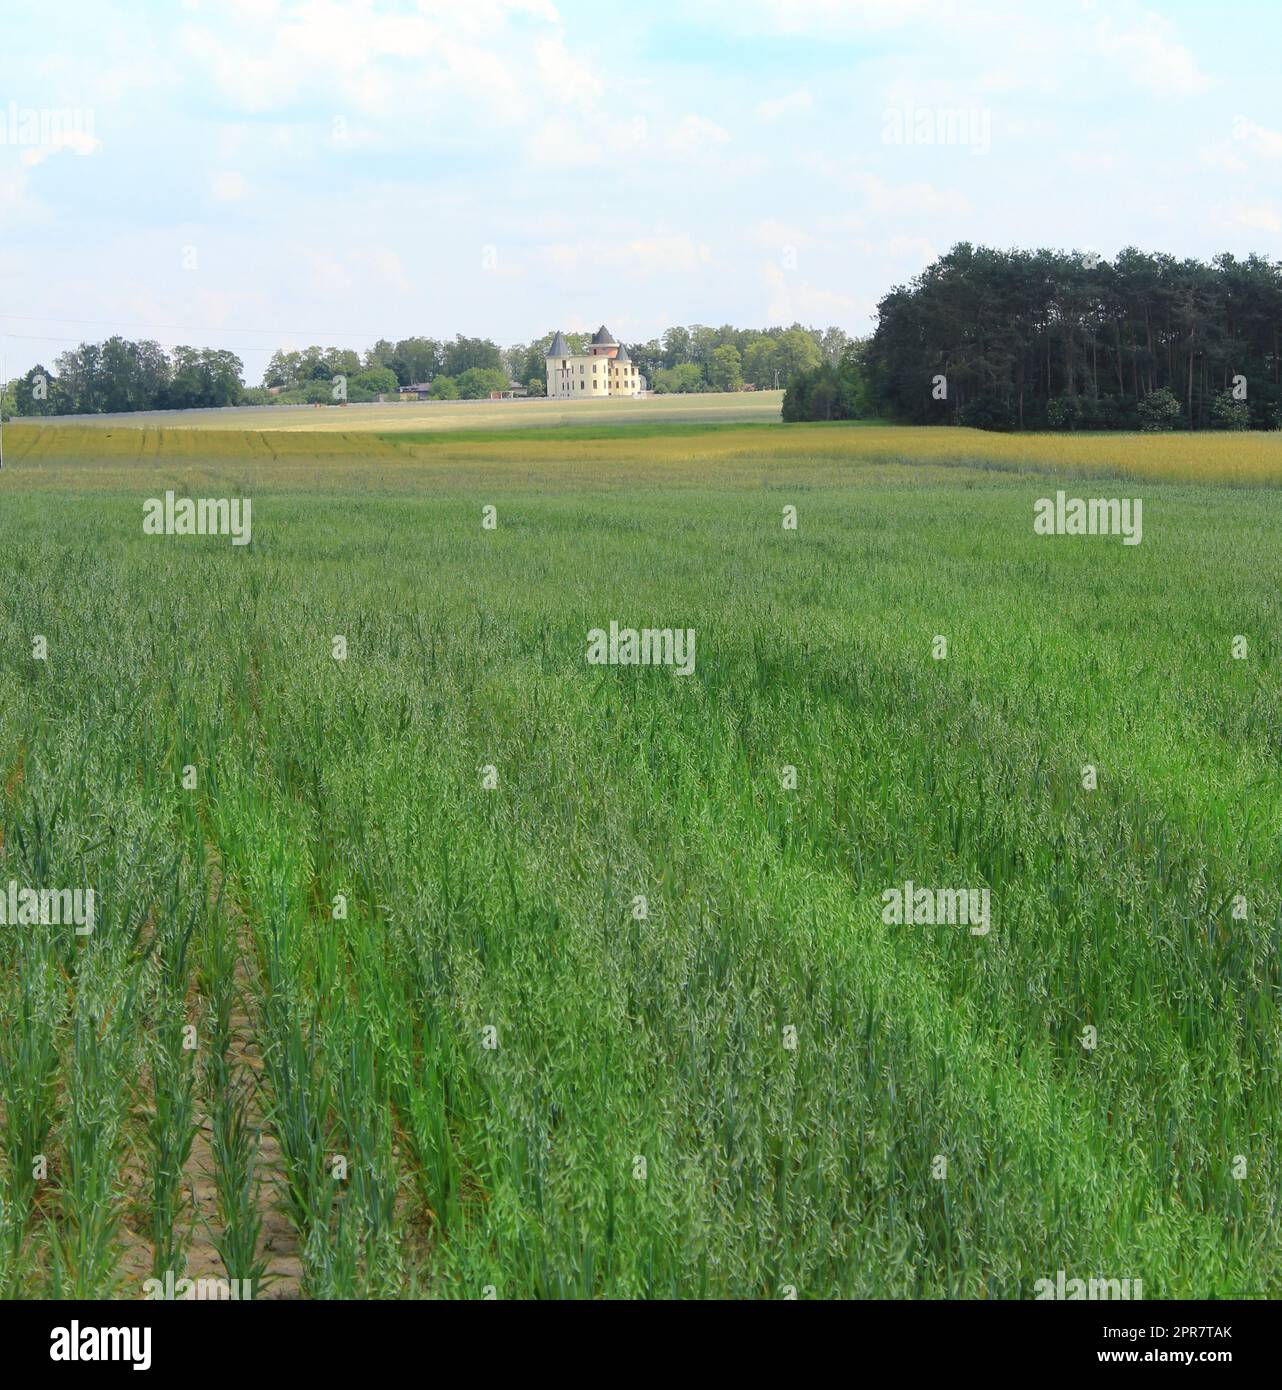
x=727, y=456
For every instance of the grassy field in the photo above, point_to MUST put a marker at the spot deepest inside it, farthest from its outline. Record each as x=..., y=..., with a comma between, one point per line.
x=453, y=415
x=439, y=1051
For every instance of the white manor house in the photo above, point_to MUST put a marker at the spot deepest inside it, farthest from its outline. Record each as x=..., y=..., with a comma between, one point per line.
x=604, y=370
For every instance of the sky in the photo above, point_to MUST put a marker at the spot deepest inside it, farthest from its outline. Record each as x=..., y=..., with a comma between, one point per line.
x=255, y=174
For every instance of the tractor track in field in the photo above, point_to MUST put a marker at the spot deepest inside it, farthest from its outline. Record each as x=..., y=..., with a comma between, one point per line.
x=278, y=1241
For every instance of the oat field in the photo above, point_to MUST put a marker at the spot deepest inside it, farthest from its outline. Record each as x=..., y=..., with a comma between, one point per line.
x=443, y=963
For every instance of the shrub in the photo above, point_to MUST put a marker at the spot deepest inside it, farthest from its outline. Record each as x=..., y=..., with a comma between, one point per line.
x=986, y=413
x=685, y=378
x=1265, y=402
x=476, y=383
x=1228, y=413
x=827, y=392
x=374, y=381
x=1159, y=410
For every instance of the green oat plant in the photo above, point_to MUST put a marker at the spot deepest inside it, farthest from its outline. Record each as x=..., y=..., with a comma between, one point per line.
x=625, y=1019
x=172, y=1122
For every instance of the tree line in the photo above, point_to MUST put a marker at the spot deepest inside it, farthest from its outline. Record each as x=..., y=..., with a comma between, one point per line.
x=1003, y=339
x=117, y=375
x=121, y=375
x=683, y=359
x=1058, y=340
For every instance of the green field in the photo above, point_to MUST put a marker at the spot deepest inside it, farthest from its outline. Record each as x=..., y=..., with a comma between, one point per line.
x=516, y=1166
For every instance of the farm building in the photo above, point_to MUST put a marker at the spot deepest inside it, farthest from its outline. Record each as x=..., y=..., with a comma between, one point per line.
x=604, y=370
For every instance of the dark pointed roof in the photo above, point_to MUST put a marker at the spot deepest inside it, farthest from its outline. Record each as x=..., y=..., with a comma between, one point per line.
x=622, y=354
x=559, y=348
x=602, y=338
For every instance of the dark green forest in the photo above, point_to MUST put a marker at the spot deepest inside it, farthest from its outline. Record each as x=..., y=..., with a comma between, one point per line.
x=1061, y=340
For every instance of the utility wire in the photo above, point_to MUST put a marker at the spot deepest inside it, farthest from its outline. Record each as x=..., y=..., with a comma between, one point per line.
x=48, y=338
x=192, y=328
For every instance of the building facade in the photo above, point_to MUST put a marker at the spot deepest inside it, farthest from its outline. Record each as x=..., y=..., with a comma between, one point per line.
x=604, y=370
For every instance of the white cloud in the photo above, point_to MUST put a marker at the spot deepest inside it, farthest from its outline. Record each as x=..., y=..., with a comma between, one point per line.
x=774, y=233
x=825, y=18
x=1151, y=57
x=917, y=199
x=1258, y=139
x=914, y=251
x=663, y=253
x=1250, y=143
x=798, y=103
x=229, y=187
x=357, y=56
x=790, y=300
x=330, y=272
x=586, y=139
x=481, y=17
x=389, y=267
x=566, y=78
x=81, y=142
x=696, y=138
x=1257, y=217
x=13, y=195
x=565, y=144
x=1093, y=161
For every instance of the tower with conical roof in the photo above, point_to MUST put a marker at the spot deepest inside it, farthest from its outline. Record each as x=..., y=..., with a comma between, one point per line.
x=603, y=344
